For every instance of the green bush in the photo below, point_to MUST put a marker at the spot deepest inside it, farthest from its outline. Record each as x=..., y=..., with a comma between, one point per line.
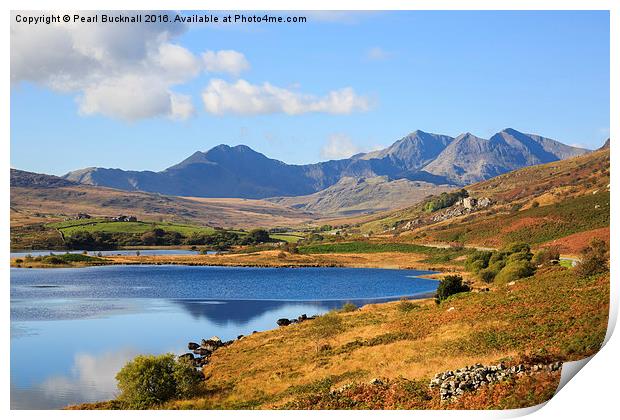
x=406, y=305
x=256, y=236
x=348, y=307
x=147, y=380
x=514, y=271
x=444, y=200
x=186, y=378
x=517, y=247
x=449, y=286
x=594, y=259
x=498, y=257
x=488, y=275
x=53, y=259
x=478, y=260
x=325, y=327
x=546, y=256
x=519, y=256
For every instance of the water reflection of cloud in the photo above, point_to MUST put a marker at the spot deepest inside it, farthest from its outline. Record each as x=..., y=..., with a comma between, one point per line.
x=92, y=378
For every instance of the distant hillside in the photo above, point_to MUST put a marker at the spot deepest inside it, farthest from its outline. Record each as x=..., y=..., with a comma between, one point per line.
x=36, y=198
x=537, y=204
x=351, y=196
x=239, y=171
x=31, y=179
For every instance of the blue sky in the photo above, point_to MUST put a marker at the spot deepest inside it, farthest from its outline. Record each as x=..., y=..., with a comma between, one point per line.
x=343, y=84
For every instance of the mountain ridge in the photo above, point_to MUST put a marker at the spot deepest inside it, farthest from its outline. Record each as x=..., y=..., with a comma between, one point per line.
x=241, y=172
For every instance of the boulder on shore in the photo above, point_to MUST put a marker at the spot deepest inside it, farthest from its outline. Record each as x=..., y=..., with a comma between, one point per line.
x=192, y=346
x=202, y=351
x=283, y=322
x=211, y=344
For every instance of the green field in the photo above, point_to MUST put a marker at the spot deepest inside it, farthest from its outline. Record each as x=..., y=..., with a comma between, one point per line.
x=70, y=227
x=434, y=255
x=287, y=237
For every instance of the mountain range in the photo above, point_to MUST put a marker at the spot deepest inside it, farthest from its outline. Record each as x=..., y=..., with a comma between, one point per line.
x=240, y=172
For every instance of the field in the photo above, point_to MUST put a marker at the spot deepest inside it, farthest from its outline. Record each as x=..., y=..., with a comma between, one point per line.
x=70, y=227
x=29, y=203
x=572, y=195
x=288, y=237
x=553, y=316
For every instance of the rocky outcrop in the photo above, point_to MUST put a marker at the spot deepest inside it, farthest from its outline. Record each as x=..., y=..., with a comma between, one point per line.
x=203, y=350
x=463, y=206
x=283, y=322
x=452, y=384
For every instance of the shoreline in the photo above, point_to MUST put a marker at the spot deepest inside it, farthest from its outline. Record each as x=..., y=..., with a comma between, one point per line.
x=266, y=259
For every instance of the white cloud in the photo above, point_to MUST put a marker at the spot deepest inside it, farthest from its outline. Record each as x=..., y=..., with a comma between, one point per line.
x=181, y=106
x=120, y=71
x=377, y=54
x=176, y=63
x=242, y=97
x=225, y=61
x=131, y=71
x=131, y=97
x=339, y=146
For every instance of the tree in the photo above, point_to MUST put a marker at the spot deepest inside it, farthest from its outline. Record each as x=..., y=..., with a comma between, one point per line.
x=449, y=286
x=594, y=259
x=256, y=236
x=149, y=380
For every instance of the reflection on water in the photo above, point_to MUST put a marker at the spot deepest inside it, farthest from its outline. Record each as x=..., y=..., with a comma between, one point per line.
x=89, y=379
x=66, y=346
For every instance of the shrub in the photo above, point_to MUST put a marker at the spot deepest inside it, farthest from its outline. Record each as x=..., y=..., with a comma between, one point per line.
x=186, y=378
x=406, y=305
x=325, y=327
x=519, y=256
x=348, y=307
x=517, y=247
x=514, y=271
x=148, y=380
x=498, y=258
x=256, y=236
x=488, y=275
x=444, y=200
x=546, y=256
x=52, y=259
x=478, y=260
x=594, y=259
x=449, y=286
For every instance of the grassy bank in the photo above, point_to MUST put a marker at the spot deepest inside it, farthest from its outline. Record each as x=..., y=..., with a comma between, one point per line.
x=552, y=316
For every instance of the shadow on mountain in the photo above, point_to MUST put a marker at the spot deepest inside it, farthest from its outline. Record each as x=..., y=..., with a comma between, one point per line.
x=428, y=177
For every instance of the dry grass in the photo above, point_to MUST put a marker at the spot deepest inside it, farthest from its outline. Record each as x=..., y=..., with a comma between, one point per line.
x=553, y=314
x=106, y=202
x=275, y=258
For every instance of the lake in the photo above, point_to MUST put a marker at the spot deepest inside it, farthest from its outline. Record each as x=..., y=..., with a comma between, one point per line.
x=72, y=329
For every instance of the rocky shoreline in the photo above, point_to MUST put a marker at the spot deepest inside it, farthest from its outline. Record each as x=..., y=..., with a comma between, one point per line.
x=200, y=354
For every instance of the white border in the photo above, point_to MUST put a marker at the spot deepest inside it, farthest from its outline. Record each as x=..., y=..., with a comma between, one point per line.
x=591, y=395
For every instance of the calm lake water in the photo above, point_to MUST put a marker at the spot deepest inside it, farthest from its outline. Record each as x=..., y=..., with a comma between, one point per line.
x=73, y=329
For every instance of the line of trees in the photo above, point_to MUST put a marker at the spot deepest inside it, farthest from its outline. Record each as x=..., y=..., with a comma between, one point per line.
x=219, y=240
